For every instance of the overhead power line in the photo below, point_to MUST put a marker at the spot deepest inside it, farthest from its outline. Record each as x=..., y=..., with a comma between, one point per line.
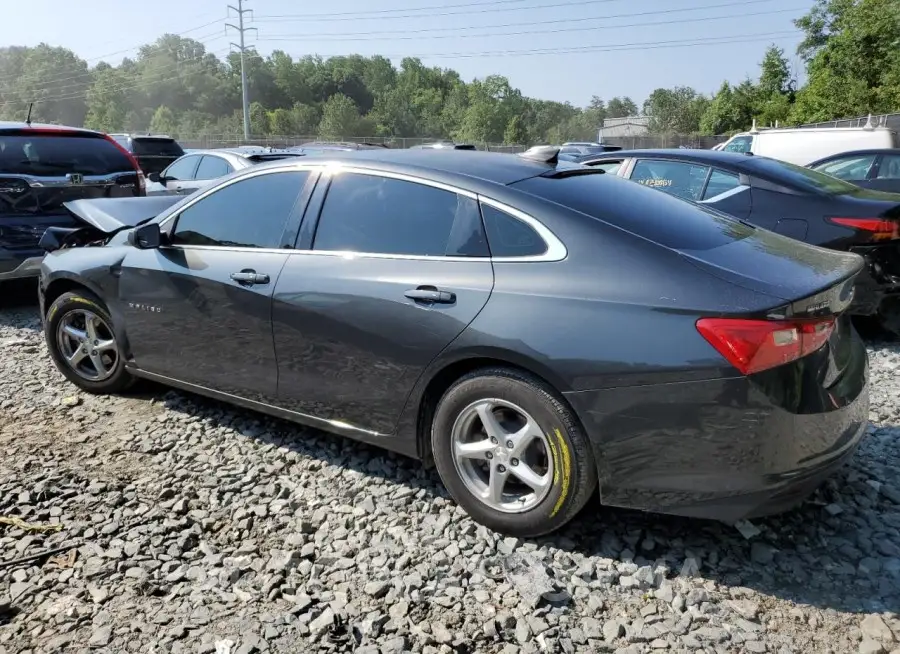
x=315, y=18
x=735, y=3
x=605, y=47
x=317, y=39
x=241, y=30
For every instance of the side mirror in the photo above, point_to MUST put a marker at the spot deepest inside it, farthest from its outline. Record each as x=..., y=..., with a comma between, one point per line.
x=155, y=177
x=146, y=237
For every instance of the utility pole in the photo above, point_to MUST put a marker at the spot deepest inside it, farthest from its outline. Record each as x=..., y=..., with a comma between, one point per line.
x=240, y=46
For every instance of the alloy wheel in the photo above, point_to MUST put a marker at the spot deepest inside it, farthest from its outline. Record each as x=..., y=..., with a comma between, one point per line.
x=502, y=455
x=87, y=344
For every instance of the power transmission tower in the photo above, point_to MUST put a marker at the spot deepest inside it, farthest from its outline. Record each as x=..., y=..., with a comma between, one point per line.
x=240, y=46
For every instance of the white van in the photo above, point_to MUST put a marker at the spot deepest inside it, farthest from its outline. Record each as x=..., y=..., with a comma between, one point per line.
x=802, y=146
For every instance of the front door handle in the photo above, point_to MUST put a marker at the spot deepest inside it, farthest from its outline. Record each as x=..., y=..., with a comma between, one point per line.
x=250, y=277
x=431, y=294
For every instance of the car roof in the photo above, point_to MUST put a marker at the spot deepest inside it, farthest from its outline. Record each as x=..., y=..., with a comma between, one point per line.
x=709, y=156
x=21, y=125
x=244, y=151
x=492, y=167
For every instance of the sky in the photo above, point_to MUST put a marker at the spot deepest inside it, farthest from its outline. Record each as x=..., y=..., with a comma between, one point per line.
x=564, y=50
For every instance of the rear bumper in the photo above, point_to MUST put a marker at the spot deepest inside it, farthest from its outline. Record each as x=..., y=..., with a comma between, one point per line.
x=20, y=265
x=724, y=449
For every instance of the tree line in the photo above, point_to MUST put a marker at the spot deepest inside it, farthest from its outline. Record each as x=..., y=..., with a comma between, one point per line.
x=850, y=51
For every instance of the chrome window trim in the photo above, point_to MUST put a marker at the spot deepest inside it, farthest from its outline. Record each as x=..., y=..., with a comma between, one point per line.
x=556, y=250
x=725, y=194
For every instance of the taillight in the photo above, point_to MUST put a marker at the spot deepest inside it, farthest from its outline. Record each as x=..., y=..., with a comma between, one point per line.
x=879, y=228
x=756, y=345
x=142, y=183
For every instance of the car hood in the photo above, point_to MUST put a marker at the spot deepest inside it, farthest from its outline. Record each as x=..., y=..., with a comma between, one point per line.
x=112, y=214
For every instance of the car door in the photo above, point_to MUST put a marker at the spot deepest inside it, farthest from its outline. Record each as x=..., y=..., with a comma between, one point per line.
x=180, y=174
x=396, y=270
x=886, y=174
x=198, y=309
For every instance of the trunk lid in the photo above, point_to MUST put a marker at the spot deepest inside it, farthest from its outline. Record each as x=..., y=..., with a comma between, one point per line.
x=776, y=265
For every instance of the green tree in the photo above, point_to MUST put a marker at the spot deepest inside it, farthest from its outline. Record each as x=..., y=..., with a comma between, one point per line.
x=340, y=118
x=107, y=101
x=163, y=121
x=623, y=107
x=515, y=132
x=676, y=110
x=259, y=119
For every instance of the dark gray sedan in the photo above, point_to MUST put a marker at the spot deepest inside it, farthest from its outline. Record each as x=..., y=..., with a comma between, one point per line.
x=536, y=329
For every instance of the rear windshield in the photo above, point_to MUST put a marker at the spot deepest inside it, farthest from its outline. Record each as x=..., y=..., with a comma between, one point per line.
x=646, y=212
x=159, y=147
x=57, y=155
x=800, y=177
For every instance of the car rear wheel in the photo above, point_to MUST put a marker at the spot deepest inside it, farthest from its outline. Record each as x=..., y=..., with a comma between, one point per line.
x=511, y=453
x=79, y=334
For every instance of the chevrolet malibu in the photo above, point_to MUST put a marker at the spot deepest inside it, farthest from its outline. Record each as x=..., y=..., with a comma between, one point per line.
x=537, y=330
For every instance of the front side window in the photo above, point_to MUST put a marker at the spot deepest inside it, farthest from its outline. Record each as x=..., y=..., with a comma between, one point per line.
x=890, y=167
x=381, y=215
x=849, y=168
x=181, y=170
x=510, y=237
x=249, y=213
x=212, y=167
x=720, y=182
x=677, y=178
x=739, y=144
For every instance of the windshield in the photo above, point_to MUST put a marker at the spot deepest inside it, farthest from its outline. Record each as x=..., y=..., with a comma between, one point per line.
x=800, y=177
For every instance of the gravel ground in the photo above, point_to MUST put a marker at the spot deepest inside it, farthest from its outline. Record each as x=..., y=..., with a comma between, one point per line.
x=183, y=525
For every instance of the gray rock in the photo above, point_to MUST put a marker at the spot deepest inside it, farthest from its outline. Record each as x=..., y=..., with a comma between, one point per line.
x=100, y=637
x=873, y=627
x=871, y=647
x=613, y=629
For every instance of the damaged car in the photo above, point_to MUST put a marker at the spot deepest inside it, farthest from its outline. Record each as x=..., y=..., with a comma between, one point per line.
x=539, y=331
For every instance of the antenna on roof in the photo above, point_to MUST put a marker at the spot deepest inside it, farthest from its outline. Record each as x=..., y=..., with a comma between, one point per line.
x=542, y=153
x=28, y=118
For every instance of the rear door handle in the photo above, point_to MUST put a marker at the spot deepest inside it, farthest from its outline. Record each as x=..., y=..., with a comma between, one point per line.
x=431, y=294
x=250, y=277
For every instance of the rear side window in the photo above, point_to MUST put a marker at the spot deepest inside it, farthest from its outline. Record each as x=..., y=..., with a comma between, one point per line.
x=160, y=147
x=380, y=215
x=510, y=237
x=658, y=217
x=890, y=167
x=52, y=155
x=682, y=179
x=720, y=182
x=806, y=179
x=212, y=167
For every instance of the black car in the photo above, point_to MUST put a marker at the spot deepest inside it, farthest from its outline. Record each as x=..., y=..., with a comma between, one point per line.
x=153, y=152
x=534, y=328
x=795, y=201
x=874, y=169
x=41, y=168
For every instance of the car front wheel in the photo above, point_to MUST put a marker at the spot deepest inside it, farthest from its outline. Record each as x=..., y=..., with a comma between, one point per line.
x=511, y=453
x=79, y=334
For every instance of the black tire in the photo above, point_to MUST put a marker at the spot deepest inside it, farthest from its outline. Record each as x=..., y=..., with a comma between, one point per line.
x=120, y=380
x=574, y=471
x=889, y=317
